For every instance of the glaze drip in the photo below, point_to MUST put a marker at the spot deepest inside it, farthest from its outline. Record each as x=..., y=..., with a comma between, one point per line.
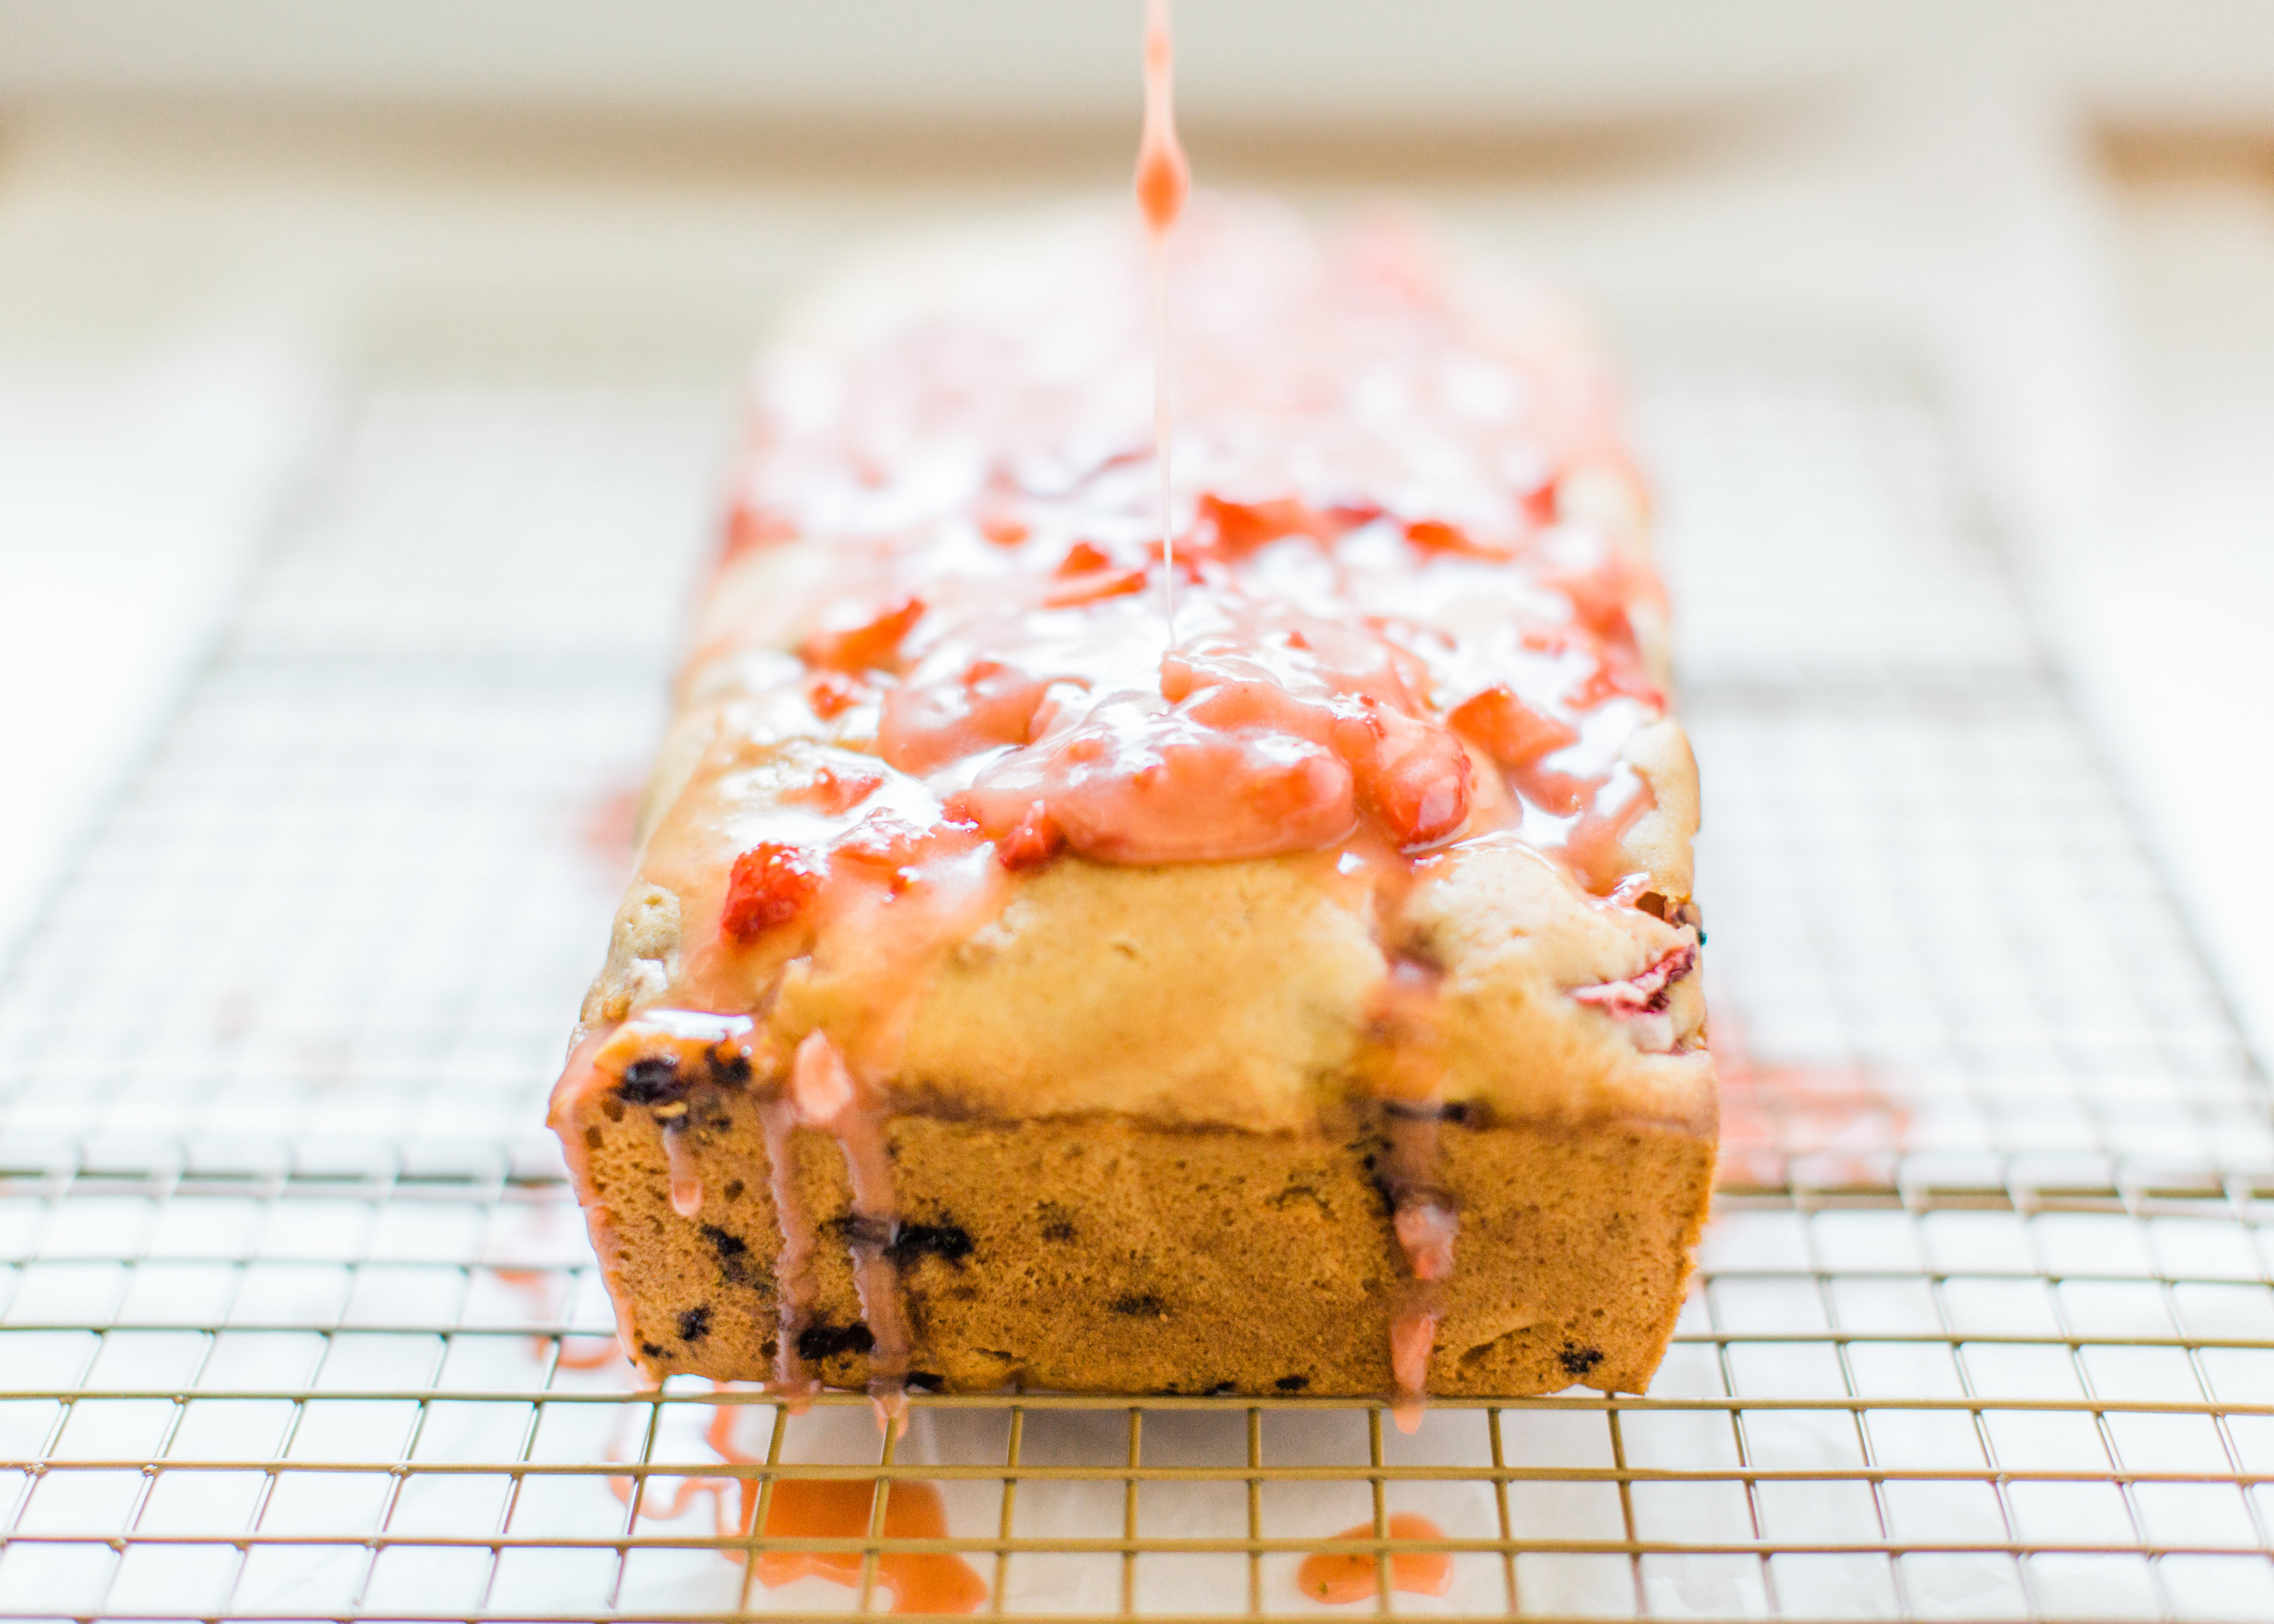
x=829, y=1098
x=1423, y=1216
x=793, y=1263
x=686, y=1182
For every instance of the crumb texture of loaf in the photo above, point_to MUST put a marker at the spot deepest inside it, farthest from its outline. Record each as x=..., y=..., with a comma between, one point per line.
x=1086, y=1255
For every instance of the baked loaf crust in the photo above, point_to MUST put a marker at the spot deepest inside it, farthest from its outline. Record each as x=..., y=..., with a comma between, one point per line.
x=1022, y=987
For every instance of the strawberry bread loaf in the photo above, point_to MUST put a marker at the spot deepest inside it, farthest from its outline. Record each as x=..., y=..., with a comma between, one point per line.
x=1260, y=963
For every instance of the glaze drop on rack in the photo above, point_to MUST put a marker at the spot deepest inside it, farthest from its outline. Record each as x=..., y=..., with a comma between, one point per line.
x=1346, y=1576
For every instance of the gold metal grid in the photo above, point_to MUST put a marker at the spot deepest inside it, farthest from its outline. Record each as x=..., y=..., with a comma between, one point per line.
x=294, y=1310
x=1694, y=1490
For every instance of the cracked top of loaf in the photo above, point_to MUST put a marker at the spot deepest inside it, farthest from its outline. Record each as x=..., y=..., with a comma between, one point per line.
x=1363, y=786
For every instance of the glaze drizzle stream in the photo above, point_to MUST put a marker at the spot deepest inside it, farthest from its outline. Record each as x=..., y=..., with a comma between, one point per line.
x=1164, y=178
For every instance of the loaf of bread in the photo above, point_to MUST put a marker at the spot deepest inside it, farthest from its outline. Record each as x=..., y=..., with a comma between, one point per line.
x=1261, y=963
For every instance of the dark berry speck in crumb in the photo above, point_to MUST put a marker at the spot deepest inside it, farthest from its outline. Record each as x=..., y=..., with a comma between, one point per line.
x=652, y=1350
x=1291, y=1384
x=695, y=1324
x=652, y=1080
x=1578, y=1361
x=1141, y=1304
x=949, y=1242
x=817, y=1342
x=730, y=1071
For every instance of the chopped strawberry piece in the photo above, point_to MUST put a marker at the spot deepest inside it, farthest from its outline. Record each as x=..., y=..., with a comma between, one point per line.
x=1646, y=994
x=1081, y=558
x=1418, y=782
x=1558, y=794
x=1436, y=536
x=1599, y=599
x=1240, y=528
x=834, y=791
x=868, y=646
x=1002, y=532
x=771, y=884
x=1515, y=733
x=1093, y=587
x=1035, y=839
x=832, y=694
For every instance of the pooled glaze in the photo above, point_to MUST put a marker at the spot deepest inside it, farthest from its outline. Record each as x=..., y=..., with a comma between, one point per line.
x=824, y=1508
x=1338, y=1577
x=818, y=1508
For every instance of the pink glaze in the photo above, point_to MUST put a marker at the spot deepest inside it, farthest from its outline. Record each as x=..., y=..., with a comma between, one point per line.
x=1412, y=1337
x=1426, y=1228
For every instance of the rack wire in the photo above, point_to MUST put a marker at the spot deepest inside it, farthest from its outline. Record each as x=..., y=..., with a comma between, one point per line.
x=298, y=1320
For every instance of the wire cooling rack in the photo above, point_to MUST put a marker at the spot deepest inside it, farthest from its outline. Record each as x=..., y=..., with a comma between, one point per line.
x=298, y=1320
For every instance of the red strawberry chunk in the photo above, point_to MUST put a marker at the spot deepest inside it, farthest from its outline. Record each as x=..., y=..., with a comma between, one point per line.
x=1417, y=782
x=1515, y=733
x=868, y=646
x=1094, y=587
x=834, y=791
x=832, y=694
x=1034, y=841
x=771, y=884
x=1081, y=558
